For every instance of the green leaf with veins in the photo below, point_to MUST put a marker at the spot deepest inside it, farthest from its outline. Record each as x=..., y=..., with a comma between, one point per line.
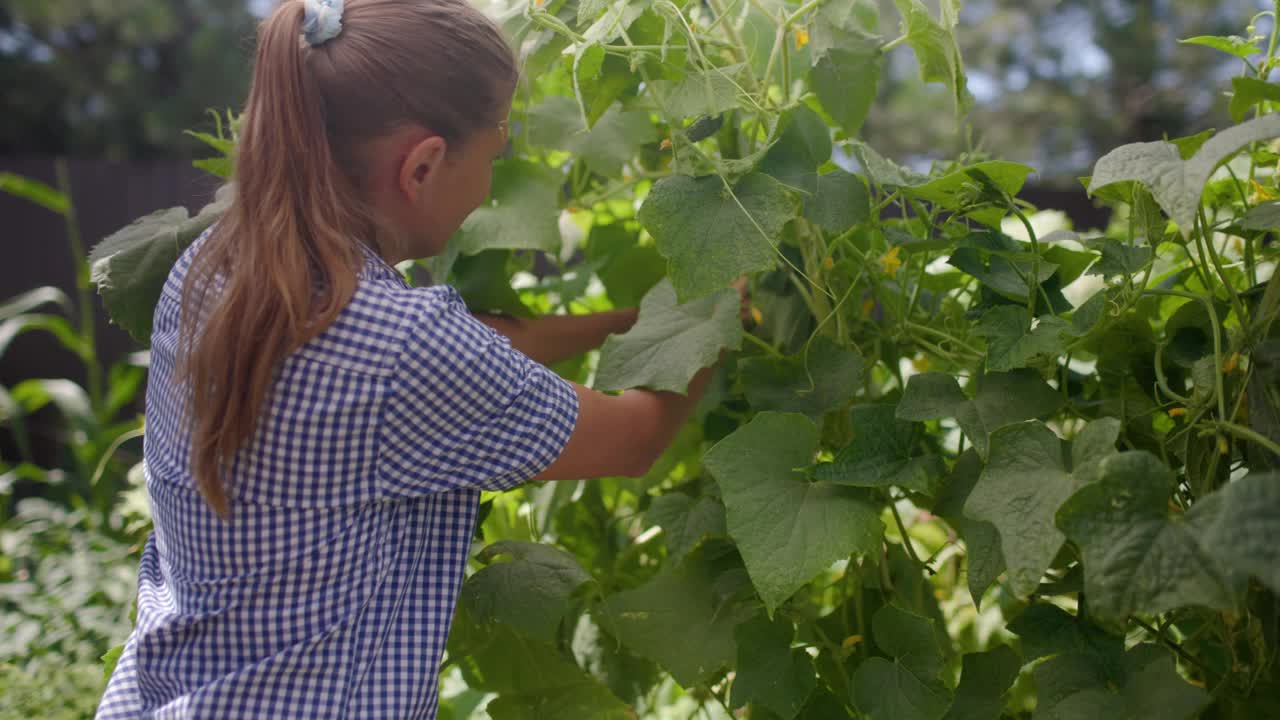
x=612, y=141
x=1011, y=345
x=884, y=171
x=1177, y=184
x=670, y=342
x=686, y=521
x=840, y=201
x=788, y=528
x=846, y=71
x=1001, y=399
x=983, y=556
x=814, y=383
x=883, y=454
x=770, y=673
x=803, y=146
x=678, y=620
x=906, y=687
x=1047, y=630
x=960, y=188
x=1249, y=92
x=712, y=235
x=709, y=92
x=531, y=592
x=1243, y=537
x=521, y=213
x=1146, y=685
x=984, y=679
x=935, y=46
x=1232, y=45
x=131, y=266
x=1138, y=558
x=1023, y=485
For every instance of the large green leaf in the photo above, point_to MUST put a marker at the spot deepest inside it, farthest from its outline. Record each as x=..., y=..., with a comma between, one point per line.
x=1243, y=537
x=1146, y=685
x=1012, y=343
x=802, y=147
x=1177, y=184
x=960, y=188
x=686, y=521
x=883, y=453
x=532, y=678
x=1248, y=92
x=627, y=269
x=572, y=702
x=676, y=620
x=788, y=528
x=984, y=679
x=906, y=687
x=840, y=202
x=530, y=592
x=770, y=673
x=1137, y=558
x=1047, y=630
x=1001, y=399
x=1004, y=265
x=815, y=382
x=846, y=69
x=936, y=49
x=702, y=93
x=521, y=213
x=1025, y=482
x=485, y=285
x=983, y=556
x=711, y=234
x=670, y=342
x=131, y=266
x=556, y=122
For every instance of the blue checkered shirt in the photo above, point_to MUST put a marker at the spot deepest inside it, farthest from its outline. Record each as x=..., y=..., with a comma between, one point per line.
x=331, y=593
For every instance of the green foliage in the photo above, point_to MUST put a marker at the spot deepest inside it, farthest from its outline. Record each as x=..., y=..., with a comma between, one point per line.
x=949, y=426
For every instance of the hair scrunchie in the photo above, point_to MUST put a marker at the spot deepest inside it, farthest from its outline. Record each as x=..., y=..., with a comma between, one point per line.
x=323, y=20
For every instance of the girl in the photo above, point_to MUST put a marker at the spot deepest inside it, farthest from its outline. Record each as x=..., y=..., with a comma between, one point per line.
x=318, y=432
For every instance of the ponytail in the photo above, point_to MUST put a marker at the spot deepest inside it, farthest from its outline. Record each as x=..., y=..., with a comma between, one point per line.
x=283, y=255
x=283, y=262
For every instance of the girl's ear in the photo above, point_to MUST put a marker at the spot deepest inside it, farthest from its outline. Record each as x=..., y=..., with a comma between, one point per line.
x=421, y=167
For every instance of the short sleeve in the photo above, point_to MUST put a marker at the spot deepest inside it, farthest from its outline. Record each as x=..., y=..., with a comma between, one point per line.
x=465, y=410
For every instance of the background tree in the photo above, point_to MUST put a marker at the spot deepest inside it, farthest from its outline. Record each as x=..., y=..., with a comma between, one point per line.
x=121, y=78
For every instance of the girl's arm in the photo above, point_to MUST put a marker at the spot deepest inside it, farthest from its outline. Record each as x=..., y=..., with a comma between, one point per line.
x=552, y=338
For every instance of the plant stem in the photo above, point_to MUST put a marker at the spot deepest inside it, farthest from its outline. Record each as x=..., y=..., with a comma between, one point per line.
x=893, y=43
x=1203, y=239
x=802, y=11
x=1169, y=643
x=84, y=291
x=906, y=539
x=1217, y=341
x=739, y=47
x=1247, y=434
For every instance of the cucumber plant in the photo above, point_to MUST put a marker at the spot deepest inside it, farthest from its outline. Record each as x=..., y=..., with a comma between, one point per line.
x=963, y=464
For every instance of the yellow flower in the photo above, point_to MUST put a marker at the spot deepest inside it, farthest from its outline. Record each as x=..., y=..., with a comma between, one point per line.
x=1260, y=193
x=1177, y=412
x=802, y=38
x=1230, y=364
x=890, y=262
x=756, y=315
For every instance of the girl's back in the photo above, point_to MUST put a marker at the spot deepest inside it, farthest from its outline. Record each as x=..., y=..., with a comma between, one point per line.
x=331, y=592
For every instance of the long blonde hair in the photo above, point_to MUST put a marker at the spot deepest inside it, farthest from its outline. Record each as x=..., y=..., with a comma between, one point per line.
x=284, y=258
